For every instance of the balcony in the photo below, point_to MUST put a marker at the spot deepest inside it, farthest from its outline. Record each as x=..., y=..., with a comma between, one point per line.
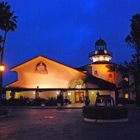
x=100, y=52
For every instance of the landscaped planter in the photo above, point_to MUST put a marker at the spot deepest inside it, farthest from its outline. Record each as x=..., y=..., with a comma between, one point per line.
x=105, y=113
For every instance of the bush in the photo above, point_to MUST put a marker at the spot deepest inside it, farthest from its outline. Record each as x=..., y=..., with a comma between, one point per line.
x=24, y=101
x=97, y=112
x=126, y=101
x=3, y=102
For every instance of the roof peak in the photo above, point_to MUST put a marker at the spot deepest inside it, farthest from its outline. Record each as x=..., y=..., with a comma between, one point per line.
x=100, y=42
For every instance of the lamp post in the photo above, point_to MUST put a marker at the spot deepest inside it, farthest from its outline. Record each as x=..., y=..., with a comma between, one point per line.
x=2, y=68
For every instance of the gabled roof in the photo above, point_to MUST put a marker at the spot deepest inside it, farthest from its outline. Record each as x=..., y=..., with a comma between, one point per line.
x=24, y=63
x=89, y=78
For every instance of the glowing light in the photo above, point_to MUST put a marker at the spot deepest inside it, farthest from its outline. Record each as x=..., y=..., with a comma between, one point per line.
x=92, y=92
x=107, y=58
x=2, y=67
x=57, y=92
x=95, y=59
x=78, y=86
x=101, y=58
x=105, y=51
x=69, y=93
x=96, y=52
x=126, y=79
x=126, y=96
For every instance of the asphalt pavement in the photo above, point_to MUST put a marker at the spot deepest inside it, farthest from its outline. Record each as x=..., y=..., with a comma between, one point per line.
x=65, y=124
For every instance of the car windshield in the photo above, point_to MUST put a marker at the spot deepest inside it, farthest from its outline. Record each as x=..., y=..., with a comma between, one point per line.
x=104, y=101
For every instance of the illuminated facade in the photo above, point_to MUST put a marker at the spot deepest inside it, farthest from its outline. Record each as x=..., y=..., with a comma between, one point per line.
x=103, y=68
x=42, y=72
x=101, y=65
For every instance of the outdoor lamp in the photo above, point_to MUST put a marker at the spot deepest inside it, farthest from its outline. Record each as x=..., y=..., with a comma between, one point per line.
x=2, y=67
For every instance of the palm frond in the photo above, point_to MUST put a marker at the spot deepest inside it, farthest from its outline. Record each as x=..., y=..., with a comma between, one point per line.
x=7, y=18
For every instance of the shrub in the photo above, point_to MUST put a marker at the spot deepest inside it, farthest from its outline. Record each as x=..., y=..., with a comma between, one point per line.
x=97, y=112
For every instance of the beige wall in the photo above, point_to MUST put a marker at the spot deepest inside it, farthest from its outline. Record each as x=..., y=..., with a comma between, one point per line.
x=58, y=75
x=103, y=72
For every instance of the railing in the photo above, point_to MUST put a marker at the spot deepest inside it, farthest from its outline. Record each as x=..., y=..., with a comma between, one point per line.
x=100, y=52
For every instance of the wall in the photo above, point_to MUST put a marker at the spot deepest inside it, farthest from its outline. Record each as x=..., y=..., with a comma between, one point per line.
x=58, y=75
x=103, y=72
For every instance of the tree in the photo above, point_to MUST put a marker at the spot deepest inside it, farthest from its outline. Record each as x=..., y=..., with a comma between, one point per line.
x=133, y=40
x=8, y=22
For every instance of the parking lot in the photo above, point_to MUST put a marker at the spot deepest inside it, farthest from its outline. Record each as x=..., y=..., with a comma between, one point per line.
x=67, y=124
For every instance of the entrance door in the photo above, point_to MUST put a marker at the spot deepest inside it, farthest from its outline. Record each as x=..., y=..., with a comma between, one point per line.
x=79, y=97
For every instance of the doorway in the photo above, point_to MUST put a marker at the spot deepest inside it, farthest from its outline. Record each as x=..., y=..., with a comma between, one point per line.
x=79, y=97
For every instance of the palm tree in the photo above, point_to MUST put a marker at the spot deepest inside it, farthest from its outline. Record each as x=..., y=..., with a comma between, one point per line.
x=8, y=22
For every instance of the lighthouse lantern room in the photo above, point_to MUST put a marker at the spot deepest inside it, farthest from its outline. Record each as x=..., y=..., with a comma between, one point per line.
x=100, y=54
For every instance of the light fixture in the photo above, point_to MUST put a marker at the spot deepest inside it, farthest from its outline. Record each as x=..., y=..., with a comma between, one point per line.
x=126, y=96
x=2, y=67
x=69, y=93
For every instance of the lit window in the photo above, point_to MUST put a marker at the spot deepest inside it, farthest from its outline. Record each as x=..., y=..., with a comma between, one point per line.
x=96, y=52
x=126, y=96
x=107, y=58
x=101, y=58
x=78, y=86
x=126, y=79
x=69, y=94
x=105, y=51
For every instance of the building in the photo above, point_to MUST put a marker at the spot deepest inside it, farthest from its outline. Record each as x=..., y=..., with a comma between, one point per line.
x=42, y=72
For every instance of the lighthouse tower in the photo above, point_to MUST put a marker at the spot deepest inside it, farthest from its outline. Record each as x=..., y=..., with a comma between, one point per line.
x=101, y=62
x=100, y=54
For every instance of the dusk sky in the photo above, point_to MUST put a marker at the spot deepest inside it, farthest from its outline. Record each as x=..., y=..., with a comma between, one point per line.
x=66, y=30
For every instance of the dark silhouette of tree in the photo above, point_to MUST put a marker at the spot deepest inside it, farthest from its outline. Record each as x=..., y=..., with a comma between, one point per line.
x=8, y=22
x=133, y=40
x=122, y=85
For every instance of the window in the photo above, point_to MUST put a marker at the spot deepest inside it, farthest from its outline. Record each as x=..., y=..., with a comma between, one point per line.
x=126, y=96
x=78, y=86
x=125, y=79
x=110, y=75
x=95, y=72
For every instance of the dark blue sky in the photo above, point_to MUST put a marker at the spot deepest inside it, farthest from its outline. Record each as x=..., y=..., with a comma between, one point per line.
x=66, y=30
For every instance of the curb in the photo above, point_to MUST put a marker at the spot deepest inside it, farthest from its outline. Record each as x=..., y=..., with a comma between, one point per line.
x=105, y=121
x=41, y=107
